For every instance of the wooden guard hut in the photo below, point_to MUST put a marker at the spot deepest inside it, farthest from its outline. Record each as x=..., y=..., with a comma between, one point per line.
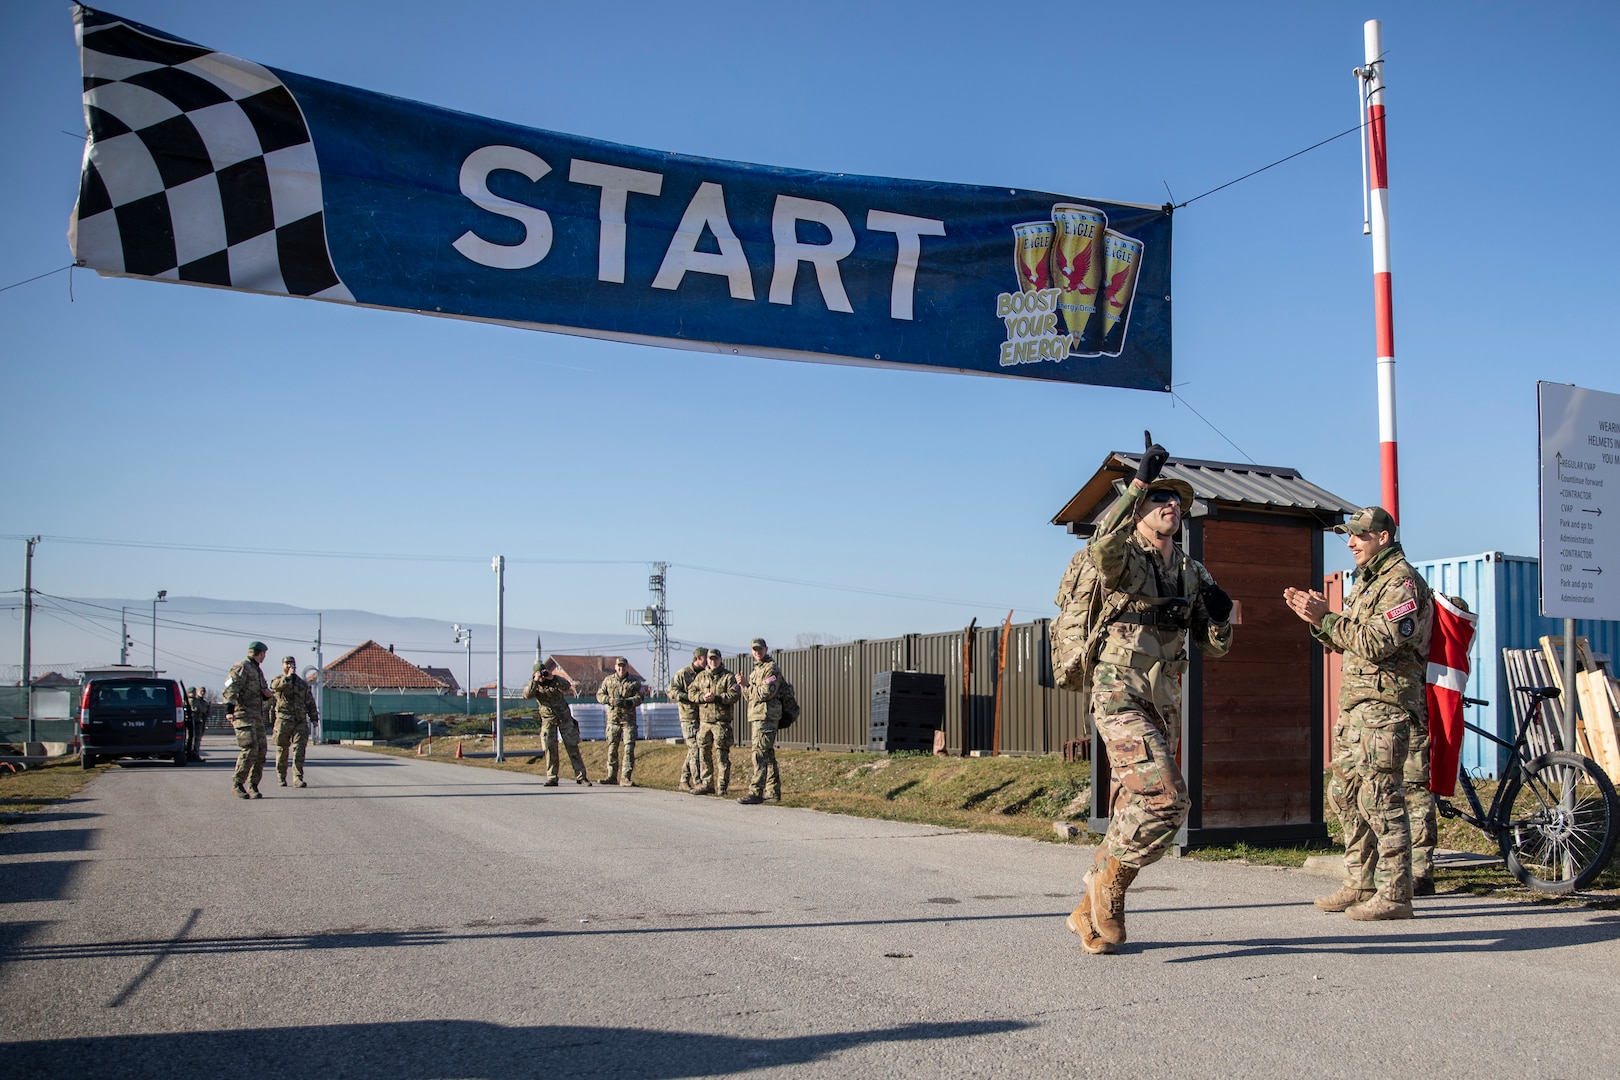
x=1251, y=745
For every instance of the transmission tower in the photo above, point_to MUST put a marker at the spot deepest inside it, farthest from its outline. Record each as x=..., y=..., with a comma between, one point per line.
x=654, y=618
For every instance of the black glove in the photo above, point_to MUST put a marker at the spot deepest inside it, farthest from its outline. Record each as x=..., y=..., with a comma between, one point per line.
x=1217, y=603
x=1153, y=459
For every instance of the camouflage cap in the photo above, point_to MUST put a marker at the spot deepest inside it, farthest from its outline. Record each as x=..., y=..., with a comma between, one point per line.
x=257, y=646
x=1183, y=490
x=620, y=660
x=699, y=653
x=758, y=643
x=539, y=666
x=716, y=653
x=293, y=660
x=1368, y=520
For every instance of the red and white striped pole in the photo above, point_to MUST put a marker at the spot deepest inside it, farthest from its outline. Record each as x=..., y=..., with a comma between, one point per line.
x=1372, y=77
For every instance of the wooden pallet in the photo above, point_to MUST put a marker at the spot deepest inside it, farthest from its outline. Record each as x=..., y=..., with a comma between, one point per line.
x=1597, y=735
x=1528, y=667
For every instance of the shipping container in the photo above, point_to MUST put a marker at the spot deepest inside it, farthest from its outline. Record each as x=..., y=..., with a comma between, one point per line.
x=1505, y=592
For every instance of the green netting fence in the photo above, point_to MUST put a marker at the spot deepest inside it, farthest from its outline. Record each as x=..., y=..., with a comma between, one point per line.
x=356, y=714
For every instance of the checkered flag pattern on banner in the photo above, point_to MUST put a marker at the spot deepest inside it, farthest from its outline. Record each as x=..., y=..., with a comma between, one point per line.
x=199, y=168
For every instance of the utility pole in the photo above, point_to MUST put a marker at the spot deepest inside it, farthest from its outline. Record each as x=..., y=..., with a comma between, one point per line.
x=28, y=633
x=123, y=637
x=162, y=596
x=654, y=618
x=498, y=564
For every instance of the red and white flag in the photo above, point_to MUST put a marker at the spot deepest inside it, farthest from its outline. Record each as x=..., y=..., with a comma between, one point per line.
x=1447, y=682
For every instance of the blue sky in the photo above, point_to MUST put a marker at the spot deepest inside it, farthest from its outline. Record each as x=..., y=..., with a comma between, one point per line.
x=176, y=416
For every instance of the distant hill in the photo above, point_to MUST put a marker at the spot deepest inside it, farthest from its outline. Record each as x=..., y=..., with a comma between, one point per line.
x=199, y=638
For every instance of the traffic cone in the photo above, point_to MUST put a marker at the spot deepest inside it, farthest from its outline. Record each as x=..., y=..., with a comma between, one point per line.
x=458, y=749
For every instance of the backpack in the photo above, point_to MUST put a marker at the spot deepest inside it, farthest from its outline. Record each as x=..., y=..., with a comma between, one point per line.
x=789, y=703
x=1086, y=609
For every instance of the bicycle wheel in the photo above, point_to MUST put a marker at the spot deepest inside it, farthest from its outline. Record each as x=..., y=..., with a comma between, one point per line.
x=1550, y=846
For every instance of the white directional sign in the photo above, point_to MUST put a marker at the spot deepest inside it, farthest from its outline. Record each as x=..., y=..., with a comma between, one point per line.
x=1580, y=502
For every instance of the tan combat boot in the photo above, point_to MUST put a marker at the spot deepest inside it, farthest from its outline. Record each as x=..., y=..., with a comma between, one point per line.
x=1079, y=922
x=1380, y=909
x=1109, y=880
x=1346, y=897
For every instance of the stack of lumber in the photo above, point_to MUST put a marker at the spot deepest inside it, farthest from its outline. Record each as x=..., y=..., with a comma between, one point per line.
x=1598, y=700
x=1528, y=667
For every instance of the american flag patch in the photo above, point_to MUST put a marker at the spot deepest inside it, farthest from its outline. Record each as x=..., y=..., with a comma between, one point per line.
x=1401, y=609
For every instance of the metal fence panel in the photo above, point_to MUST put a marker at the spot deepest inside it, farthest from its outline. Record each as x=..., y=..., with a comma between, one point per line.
x=14, y=714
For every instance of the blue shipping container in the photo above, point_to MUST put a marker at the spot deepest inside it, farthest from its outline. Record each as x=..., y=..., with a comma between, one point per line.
x=1505, y=592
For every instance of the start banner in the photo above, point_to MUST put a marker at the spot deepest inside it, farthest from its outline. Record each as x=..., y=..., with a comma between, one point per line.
x=207, y=169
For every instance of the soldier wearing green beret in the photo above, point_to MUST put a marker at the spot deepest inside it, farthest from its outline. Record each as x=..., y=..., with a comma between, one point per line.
x=247, y=702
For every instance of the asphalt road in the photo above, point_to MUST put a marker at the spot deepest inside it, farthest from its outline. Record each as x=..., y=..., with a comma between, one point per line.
x=399, y=920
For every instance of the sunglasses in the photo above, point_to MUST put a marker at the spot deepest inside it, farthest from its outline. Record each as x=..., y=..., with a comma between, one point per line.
x=1163, y=496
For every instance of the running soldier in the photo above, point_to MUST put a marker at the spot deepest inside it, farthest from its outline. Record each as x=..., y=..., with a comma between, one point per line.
x=716, y=693
x=621, y=692
x=247, y=698
x=1384, y=636
x=556, y=721
x=296, y=715
x=764, y=714
x=678, y=687
x=1156, y=599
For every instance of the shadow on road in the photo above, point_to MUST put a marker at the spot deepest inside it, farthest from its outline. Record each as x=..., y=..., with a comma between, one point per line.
x=1408, y=940
x=15, y=950
x=428, y=1049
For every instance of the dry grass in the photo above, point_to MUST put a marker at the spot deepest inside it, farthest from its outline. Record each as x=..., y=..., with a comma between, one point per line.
x=25, y=792
x=1012, y=796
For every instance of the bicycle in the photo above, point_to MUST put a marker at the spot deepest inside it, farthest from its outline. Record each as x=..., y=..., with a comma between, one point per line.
x=1555, y=816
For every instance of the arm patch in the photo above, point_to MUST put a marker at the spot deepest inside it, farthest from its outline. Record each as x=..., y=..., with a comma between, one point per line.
x=1400, y=610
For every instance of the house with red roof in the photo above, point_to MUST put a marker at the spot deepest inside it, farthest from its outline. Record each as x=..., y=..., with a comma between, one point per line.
x=586, y=672
x=369, y=666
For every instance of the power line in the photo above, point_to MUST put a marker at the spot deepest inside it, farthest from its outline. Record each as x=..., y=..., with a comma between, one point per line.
x=36, y=277
x=1212, y=427
x=385, y=556
x=1274, y=164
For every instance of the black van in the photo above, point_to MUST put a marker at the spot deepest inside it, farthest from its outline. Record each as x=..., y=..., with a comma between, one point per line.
x=132, y=717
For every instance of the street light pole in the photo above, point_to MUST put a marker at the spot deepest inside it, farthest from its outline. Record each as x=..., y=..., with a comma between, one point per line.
x=161, y=597
x=498, y=564
x=464, y=633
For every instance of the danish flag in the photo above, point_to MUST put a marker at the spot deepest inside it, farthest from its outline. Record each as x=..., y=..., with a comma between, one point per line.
x=1447, y=681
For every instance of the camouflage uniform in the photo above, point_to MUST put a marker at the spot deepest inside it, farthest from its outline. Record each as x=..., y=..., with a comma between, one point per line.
x=1136, y=683
x=621, y=694
x=764, y=714
x=556, y=720
x=247, y=697
x=678, y=687
x=714, y=736
x=295, y=716
x=197, y=710
x=1384, y=636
